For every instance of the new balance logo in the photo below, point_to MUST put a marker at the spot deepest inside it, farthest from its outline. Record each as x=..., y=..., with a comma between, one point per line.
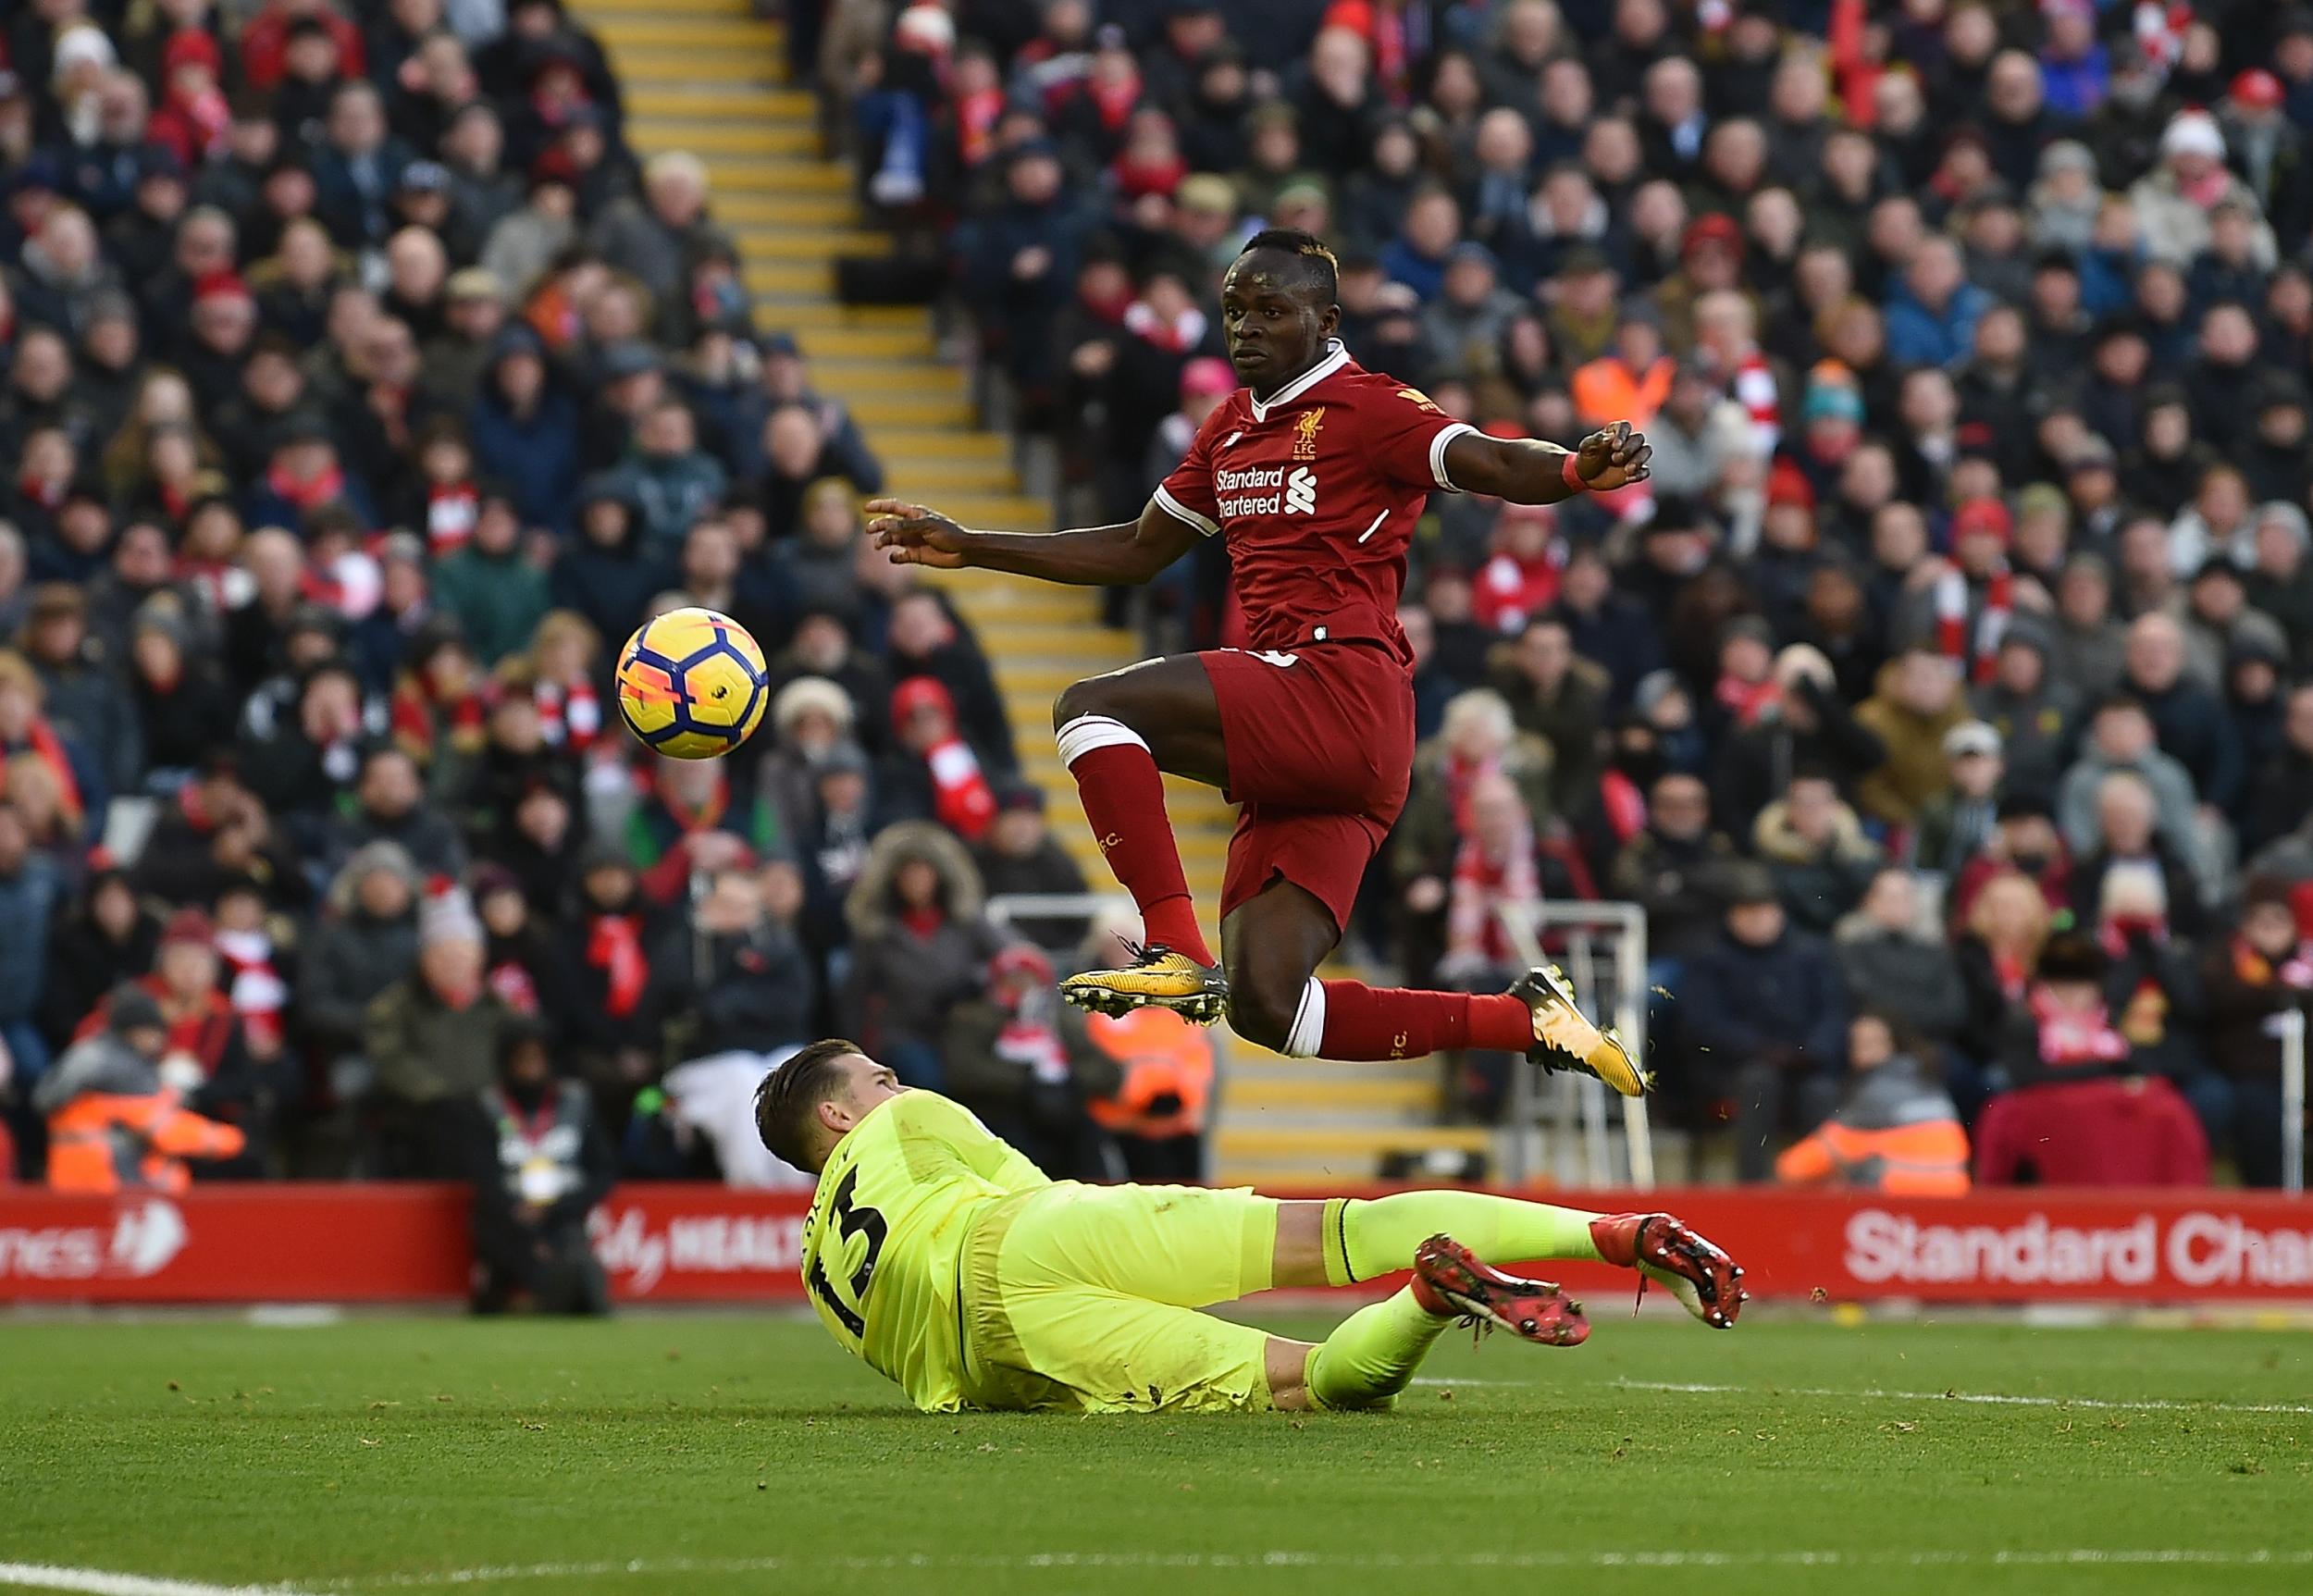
x=1301, y=492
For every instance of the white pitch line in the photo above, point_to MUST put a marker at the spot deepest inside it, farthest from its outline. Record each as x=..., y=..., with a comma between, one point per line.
x=2084, y=1556
x=103, y=1582
x=1984, y=1398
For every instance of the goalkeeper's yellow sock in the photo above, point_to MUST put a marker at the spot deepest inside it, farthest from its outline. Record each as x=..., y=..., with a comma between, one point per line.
x=1371, y=1355
x=1366, y=1239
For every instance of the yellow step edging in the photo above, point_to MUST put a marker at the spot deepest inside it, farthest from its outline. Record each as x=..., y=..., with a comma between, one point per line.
x=644, y=68
x=1243, y=1093
x=597, y=12
x=808, y=317
x=701, y=101
x=703, y=139
x=817, y=209
x=705, y=33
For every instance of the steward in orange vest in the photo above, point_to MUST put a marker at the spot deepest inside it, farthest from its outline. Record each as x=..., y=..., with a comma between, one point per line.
x=112, y=1125
x=1898, y=1133
x=1157, y=1115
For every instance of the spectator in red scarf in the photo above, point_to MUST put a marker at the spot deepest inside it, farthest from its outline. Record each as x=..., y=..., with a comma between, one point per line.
x=1478, y=740
x=264, y=42
x=598, y=989
x=934, y=773
x=561, y=664
x=193, y=119
x=1748, y=691
x=1026, y=1064
x=1494, y=864
x=304, y=474
x=1519, y=579
x=441, y=714
x=27, y=739
x=697, y=817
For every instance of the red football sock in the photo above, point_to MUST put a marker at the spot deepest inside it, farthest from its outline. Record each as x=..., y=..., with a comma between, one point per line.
x=1364, y=1021
x=1124, y=798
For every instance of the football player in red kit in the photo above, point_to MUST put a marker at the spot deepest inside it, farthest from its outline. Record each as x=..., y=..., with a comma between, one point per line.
x=1315, y=471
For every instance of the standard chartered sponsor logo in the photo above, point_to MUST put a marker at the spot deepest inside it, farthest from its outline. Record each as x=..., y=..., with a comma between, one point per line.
x=1256, y=490
x=2198, y=1249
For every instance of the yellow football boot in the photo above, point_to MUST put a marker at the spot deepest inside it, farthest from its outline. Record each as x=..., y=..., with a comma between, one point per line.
x=1564, y=1038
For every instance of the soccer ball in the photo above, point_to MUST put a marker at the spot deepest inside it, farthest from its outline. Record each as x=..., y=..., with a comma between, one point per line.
x=690, y=684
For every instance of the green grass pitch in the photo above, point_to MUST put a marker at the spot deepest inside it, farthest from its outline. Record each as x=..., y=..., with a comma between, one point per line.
x=712, y=1454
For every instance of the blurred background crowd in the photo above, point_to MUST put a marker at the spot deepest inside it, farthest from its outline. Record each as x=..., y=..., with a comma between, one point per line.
x=1942, y=699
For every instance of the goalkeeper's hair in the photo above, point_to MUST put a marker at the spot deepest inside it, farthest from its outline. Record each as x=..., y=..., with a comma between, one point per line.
x=1323, y=271
x=786, y=1104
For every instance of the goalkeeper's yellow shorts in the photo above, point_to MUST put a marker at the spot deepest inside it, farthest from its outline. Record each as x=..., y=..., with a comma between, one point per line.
x=1083, y=1299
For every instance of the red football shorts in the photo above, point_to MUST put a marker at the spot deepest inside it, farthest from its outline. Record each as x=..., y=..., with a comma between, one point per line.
x=1320, y=745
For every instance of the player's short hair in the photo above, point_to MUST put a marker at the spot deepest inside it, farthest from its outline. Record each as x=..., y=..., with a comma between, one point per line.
x=787, y=1101
x=1322, y=271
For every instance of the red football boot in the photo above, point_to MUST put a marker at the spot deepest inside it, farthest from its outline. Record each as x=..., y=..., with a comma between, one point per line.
x=1449, y=1281
x=1705, y=1281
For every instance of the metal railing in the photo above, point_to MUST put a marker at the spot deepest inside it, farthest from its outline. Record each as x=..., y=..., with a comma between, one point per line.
x=2290, y=1024
x=1605, y=959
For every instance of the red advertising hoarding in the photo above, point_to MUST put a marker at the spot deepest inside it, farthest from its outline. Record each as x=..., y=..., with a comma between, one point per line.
x=676, y=1243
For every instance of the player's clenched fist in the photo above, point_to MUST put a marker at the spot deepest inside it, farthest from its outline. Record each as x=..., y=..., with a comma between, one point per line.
x=1612, y=457
x=914, y=535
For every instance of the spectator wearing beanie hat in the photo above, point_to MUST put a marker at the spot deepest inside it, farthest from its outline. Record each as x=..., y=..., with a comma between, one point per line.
x=2031, y=709
x=431, y=1040
x=2174, y=201
x=366, y=940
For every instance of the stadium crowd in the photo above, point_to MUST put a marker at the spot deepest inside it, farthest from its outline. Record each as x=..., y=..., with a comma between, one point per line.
x=360, y=391
x=1949, y=675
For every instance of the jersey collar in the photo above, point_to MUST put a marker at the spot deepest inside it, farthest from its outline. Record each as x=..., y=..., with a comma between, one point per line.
x=1337, y=356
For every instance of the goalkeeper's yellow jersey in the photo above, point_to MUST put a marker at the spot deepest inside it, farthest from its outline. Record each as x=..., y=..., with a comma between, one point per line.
x=883, y=1246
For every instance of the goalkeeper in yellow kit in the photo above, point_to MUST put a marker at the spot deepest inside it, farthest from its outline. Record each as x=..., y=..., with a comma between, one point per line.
x=955, y=1267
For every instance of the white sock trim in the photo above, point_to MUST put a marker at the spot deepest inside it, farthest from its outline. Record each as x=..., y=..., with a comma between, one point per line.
x=1085, y=732
x=1308, y=1030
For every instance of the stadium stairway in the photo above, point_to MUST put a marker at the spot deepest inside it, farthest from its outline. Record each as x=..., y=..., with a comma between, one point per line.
x=709, y=77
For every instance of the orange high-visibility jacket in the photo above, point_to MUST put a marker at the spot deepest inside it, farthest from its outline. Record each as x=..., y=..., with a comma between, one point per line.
x=1898, y=1132
x=1163, y=1055
x=1605, y=391
x=111, y=1142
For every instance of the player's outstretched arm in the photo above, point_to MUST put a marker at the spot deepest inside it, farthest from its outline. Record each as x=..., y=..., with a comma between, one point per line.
x=1525, y=471
x=1127, y=553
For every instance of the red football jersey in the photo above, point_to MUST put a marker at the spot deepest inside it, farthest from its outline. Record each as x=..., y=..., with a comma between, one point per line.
x=1318, y=489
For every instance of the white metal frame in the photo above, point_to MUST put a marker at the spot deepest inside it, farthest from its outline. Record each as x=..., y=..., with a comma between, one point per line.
x=1570, y=1097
